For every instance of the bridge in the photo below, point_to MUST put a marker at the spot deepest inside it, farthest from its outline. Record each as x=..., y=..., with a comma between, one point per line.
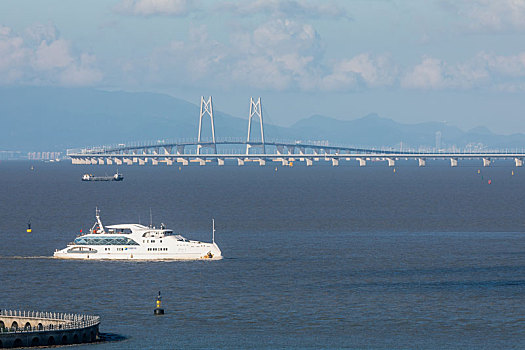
x=211, y=150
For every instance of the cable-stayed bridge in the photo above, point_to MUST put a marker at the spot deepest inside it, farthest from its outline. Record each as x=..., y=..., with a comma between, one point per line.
x=211, y=150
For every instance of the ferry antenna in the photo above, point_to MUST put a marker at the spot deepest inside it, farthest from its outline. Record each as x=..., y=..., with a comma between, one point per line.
x=213, y=231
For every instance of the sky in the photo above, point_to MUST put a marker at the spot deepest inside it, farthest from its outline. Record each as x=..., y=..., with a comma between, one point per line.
x=457, y=61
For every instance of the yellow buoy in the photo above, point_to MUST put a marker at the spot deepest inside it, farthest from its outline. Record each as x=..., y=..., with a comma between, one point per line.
x=158, y=310
x=512, y=172
x=394, y=170
x=179, y=168
x=275, y=168
x=479, y=171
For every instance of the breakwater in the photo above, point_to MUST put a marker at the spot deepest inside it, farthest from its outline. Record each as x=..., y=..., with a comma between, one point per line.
x=33, y=328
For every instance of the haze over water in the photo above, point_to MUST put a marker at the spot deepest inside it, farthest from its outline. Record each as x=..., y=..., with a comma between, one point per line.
x=318, y=257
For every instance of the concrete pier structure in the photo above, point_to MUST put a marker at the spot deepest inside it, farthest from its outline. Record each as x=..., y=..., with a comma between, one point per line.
x=31, y=328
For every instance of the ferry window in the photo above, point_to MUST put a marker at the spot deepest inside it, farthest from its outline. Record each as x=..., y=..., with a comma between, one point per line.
x=148, y=234
x=124, y=230
x=118, y=240
x=161, y=241
x=152, y=241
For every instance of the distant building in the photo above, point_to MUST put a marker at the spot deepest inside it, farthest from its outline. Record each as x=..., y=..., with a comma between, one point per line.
x=438, y=140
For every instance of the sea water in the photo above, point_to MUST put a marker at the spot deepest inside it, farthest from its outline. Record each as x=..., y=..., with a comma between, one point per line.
x=317, y=257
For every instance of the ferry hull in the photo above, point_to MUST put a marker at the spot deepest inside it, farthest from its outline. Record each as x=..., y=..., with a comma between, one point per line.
x=211, y=252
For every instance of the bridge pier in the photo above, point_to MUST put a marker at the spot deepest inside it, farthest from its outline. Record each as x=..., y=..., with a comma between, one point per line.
x=240, y=161
x=362, y=161
x=518, y=161
x=284, y=161
x=453, y=162
x=335, y=162
x=118, y=161
x=168, y=161
x=309, y=162
x=154, y=161
x=220, y=161
x=486, y=162
x=200, y=161
x=183, y=161
x=391, y=162
x=142, y=161
x=262, y=162
x=128, y=161
x=422, y=162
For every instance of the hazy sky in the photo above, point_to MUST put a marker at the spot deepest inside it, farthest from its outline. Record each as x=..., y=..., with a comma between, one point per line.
x=438, y=60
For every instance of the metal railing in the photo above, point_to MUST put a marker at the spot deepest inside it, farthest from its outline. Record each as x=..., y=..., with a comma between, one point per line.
x=67, y=321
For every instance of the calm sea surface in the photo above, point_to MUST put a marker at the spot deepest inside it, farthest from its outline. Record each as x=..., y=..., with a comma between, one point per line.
x=318, y=257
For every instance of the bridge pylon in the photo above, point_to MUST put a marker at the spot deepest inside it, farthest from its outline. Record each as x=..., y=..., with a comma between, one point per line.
x=206, y=109
x=255, y=111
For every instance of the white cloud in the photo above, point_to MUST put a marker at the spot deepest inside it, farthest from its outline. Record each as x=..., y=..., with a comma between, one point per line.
x=40, y=57
x=360, y=70
x=40, y=32
x=278, y=54
x=286, y=8
x=428, y=74
x=81, y=74
x=508, y=66
x=154, y=7
x=433, y=73
x=483, y=70
x=53, y=55
x=490, y=15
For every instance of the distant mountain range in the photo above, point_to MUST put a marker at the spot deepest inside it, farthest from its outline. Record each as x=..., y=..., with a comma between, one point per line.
x=53, y=119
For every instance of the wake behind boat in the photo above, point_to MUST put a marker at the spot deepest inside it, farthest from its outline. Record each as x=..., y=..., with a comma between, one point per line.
x=136, y=242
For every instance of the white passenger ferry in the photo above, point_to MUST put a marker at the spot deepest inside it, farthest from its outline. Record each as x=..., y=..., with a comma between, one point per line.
x=136, y=242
